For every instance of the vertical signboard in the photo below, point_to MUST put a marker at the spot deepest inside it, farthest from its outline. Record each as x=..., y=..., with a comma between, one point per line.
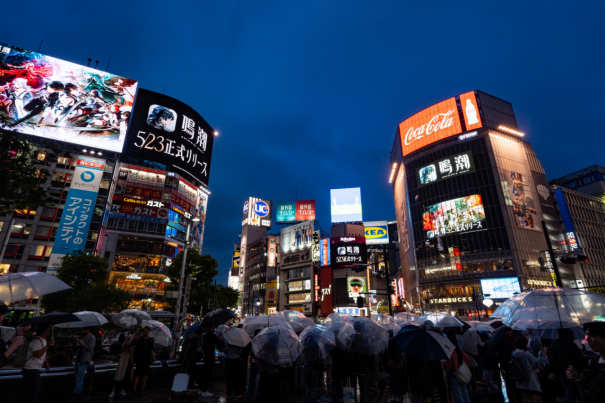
x=324, y=252
x=271, y=251
x=326, y=290
x=401, y=211
x=570, y=230
x=470, y=110
x=78, y=210
x=524, y=203
x=315, y=252
x=198, y=228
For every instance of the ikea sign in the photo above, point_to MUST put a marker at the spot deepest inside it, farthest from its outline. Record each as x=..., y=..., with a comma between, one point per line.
x=376, y=232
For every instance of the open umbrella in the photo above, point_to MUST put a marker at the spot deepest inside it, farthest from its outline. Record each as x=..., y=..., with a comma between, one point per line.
x=498, y=335
x=217, y=317
x=159, y=332
x=289, y=315
x=570, y=307
x=52, y=318
x=87, y=319
x=261, y=322
x=549, y=329
x=405, y=317
x=428, y=345
x=236, y=336
x=335, y=327
x=480, y=326
x=317, y=342
x=392, y=328
x=277, y=345
x=27, y=285
x=446, y=322
x=364, y=336
x=130, y=318
x=338, y=317
x=469, y=342
x=221, y=329
x=494, y=323
x=382, y=318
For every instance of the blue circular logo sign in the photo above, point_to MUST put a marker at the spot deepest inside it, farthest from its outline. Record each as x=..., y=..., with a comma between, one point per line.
x=245, y=207
x=87, y=176
x=261, y=208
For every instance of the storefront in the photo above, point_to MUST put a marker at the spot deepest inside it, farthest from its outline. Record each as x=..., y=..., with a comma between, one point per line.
x=147, y=289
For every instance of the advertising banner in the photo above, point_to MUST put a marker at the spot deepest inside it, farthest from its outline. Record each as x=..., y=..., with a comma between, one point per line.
x=170, y=132
x=452, y=166
x=136, y=217
x=297, y=237
x=285, y=212
x=470, y=110
x=376, y=232
x=545, y=196
x=51, y=98
x=348, y=252
x=324, y=252
x=401, y=209
x=315, y=254
x=271, y=251
x=524, y=206
x=325, y=292
x=257, y=212
x=305, y=210
x=570, y=230
x=79, y=207
x=198, y=228
x=400, y=289
x=355, y=286
x=458, y=215
x=346, y=205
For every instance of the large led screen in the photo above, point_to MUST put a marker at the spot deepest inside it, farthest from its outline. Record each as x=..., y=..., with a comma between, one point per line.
x=500, y=288
x=454, y=216
x=55, y=99
x=346, y=205
x=458, y=164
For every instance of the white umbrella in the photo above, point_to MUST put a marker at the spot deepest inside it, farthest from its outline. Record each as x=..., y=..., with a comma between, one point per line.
x=6, y=333
x=338, y=317
x=261, y=322
x=130, y=318
x=89, y=319
x=27, y=285
x=236, y=336
x=480, y=326
x=159, y=332
x=363, y=335
x=469, y=341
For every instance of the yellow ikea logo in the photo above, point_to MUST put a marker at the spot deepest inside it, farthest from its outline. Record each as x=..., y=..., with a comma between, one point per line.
x=375, y=232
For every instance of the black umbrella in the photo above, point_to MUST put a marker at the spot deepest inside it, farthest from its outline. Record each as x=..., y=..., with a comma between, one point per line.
x=498, y=335
x=52, y=318
x=217, y=317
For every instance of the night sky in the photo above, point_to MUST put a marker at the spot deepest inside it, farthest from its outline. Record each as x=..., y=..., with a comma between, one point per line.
x=307, y=95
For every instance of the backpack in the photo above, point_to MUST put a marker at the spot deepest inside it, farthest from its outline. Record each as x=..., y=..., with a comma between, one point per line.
x=516, y=371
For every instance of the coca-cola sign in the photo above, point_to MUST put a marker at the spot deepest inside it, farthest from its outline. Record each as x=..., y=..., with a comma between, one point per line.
x=434, y=123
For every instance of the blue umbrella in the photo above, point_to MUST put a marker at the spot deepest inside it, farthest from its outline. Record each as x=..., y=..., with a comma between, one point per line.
x=427, y=345
x=191, y=329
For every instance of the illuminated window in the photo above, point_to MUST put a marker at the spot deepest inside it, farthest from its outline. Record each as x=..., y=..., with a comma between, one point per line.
x=63, y=160
x=42, y=156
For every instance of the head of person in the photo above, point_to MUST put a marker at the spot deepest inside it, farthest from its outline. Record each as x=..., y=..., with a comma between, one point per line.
x=71, y=88
x=428, y=324
x=358, y=326
x=595, y=336
x=509, y=333
x=43, y=330
x=3, y=310
x=137, y=330
x=521, y=343
x=86, y=330
x=54, y=87
x=212, y=328
x=566, y=335
x=146, y=331
x=20, y=83
x=199, y=331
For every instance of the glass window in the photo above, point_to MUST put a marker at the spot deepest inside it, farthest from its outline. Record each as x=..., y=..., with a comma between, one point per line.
x=42, y=231
x=63, y=160
x=36, y=250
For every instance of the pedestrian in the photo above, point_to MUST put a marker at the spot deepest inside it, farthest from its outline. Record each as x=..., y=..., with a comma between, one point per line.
x=358, y=365
x=527, y=364
x=504, y=349
x=254, y=382
x=592, y=380
x=142, y=356
x=269, y=390
x=423, y=377
x=534, y=344
x=244, y=357
x=394, y=365
x=313, y=371
x=338, y=372
x=232, y=370
x=452, y=367
x=36, y=358
x=209, y=345
x=85, y=346
x=189, y=355
x=122, y=374
x=563, y=353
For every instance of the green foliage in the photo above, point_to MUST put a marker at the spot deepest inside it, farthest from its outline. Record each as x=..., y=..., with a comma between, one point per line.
x=599, y=291
x=226, y=297
x=24, y=179
x=87, y=275
x=201, y=267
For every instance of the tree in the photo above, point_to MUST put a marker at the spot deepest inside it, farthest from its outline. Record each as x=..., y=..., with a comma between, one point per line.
x=599, y=291
x=226, y=297
x=87, y=275
x=24, y=177
x=203, y=270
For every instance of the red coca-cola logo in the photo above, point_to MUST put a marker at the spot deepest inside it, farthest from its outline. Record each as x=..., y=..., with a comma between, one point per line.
x=438, y=122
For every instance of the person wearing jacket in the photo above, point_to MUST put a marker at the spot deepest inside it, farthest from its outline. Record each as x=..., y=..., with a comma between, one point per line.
x=254, y=382
x=530, y=389
x=85, y=347
x=189, y=355
x=394, y=364
x=563, y=353
x=451, y=367
x=232, y=370
x=122, y=371
x=592, y=379
x=209, y=345
x=140, y=356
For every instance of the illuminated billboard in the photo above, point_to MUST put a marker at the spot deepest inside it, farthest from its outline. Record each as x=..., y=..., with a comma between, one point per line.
x=356, y=287
x=454, y=216
x=297, y=237
x=524, y=205
x=452, y=166
x=438, y=122
x=257, y=212
x=500, y=288
x=346, y=205
x=51, y=98
x=348, y=252
x=376, y=232
x=170, y=132
x=294, y=211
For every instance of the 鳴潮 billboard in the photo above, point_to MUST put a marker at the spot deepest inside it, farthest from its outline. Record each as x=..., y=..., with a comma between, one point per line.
x=51, y=98
x=346, y=205
x=452, y=166
x=348, y=252
x=170, y=132
x=454, y=216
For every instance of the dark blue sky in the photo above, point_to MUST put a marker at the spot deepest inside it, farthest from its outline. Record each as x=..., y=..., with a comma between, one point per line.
x=307, y=95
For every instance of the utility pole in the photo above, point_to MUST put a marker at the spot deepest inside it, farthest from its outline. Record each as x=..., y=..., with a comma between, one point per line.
x=553, y=259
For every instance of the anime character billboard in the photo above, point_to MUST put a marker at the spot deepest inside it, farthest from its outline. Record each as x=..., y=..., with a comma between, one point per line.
x=51, y=98
x=524, y=205
x=198, y=227
x=454, y=216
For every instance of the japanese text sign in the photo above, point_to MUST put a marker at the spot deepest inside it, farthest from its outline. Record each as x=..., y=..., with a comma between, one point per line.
x=452, y=166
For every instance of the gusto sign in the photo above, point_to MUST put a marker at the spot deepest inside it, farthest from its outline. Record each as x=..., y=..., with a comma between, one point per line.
x=434, y=123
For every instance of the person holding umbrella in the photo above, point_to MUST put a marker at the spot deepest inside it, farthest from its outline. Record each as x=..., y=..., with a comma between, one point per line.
x=122, y=373
x=141, y=357
x=36, y=358
x=209, y=345
x=86, y=346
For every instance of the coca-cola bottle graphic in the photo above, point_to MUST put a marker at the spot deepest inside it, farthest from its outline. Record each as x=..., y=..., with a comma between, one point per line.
x=471, y=113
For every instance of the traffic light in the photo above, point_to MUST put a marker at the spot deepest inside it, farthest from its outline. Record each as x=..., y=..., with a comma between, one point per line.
x=567, y=260
x=582, y=258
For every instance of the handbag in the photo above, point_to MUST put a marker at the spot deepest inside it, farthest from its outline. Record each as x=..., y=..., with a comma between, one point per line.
x=348, y=393
x=463, y=375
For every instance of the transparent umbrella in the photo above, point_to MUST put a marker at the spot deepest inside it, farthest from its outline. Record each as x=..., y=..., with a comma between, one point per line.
x=338, y=317
x=277, y=345
x=446, y=322
x=480, y=326
x=364, y=336
x=289, y=315
x=261, y=322
x=317, y=342
x=88, y=319
x=335, y=327
x=130, y=318
x=405, y=317
x=236, y=336
x=382, y=318
x=392, y=328
x=27, y=285
x=159, y=332
x=568, y=307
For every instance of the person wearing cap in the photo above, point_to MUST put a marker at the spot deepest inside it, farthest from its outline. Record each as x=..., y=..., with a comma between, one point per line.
x=35, y=359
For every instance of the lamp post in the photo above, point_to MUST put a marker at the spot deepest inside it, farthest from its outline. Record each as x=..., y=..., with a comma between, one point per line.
x=183, y=264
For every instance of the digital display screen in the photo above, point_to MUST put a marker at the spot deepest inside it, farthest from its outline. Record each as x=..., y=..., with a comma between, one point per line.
x=454, y=216
x=346, y=205
x=51, y=98
x=452, y=166
x=500, y=288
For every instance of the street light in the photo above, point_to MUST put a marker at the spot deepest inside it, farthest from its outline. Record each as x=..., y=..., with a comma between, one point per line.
x=183, y=264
